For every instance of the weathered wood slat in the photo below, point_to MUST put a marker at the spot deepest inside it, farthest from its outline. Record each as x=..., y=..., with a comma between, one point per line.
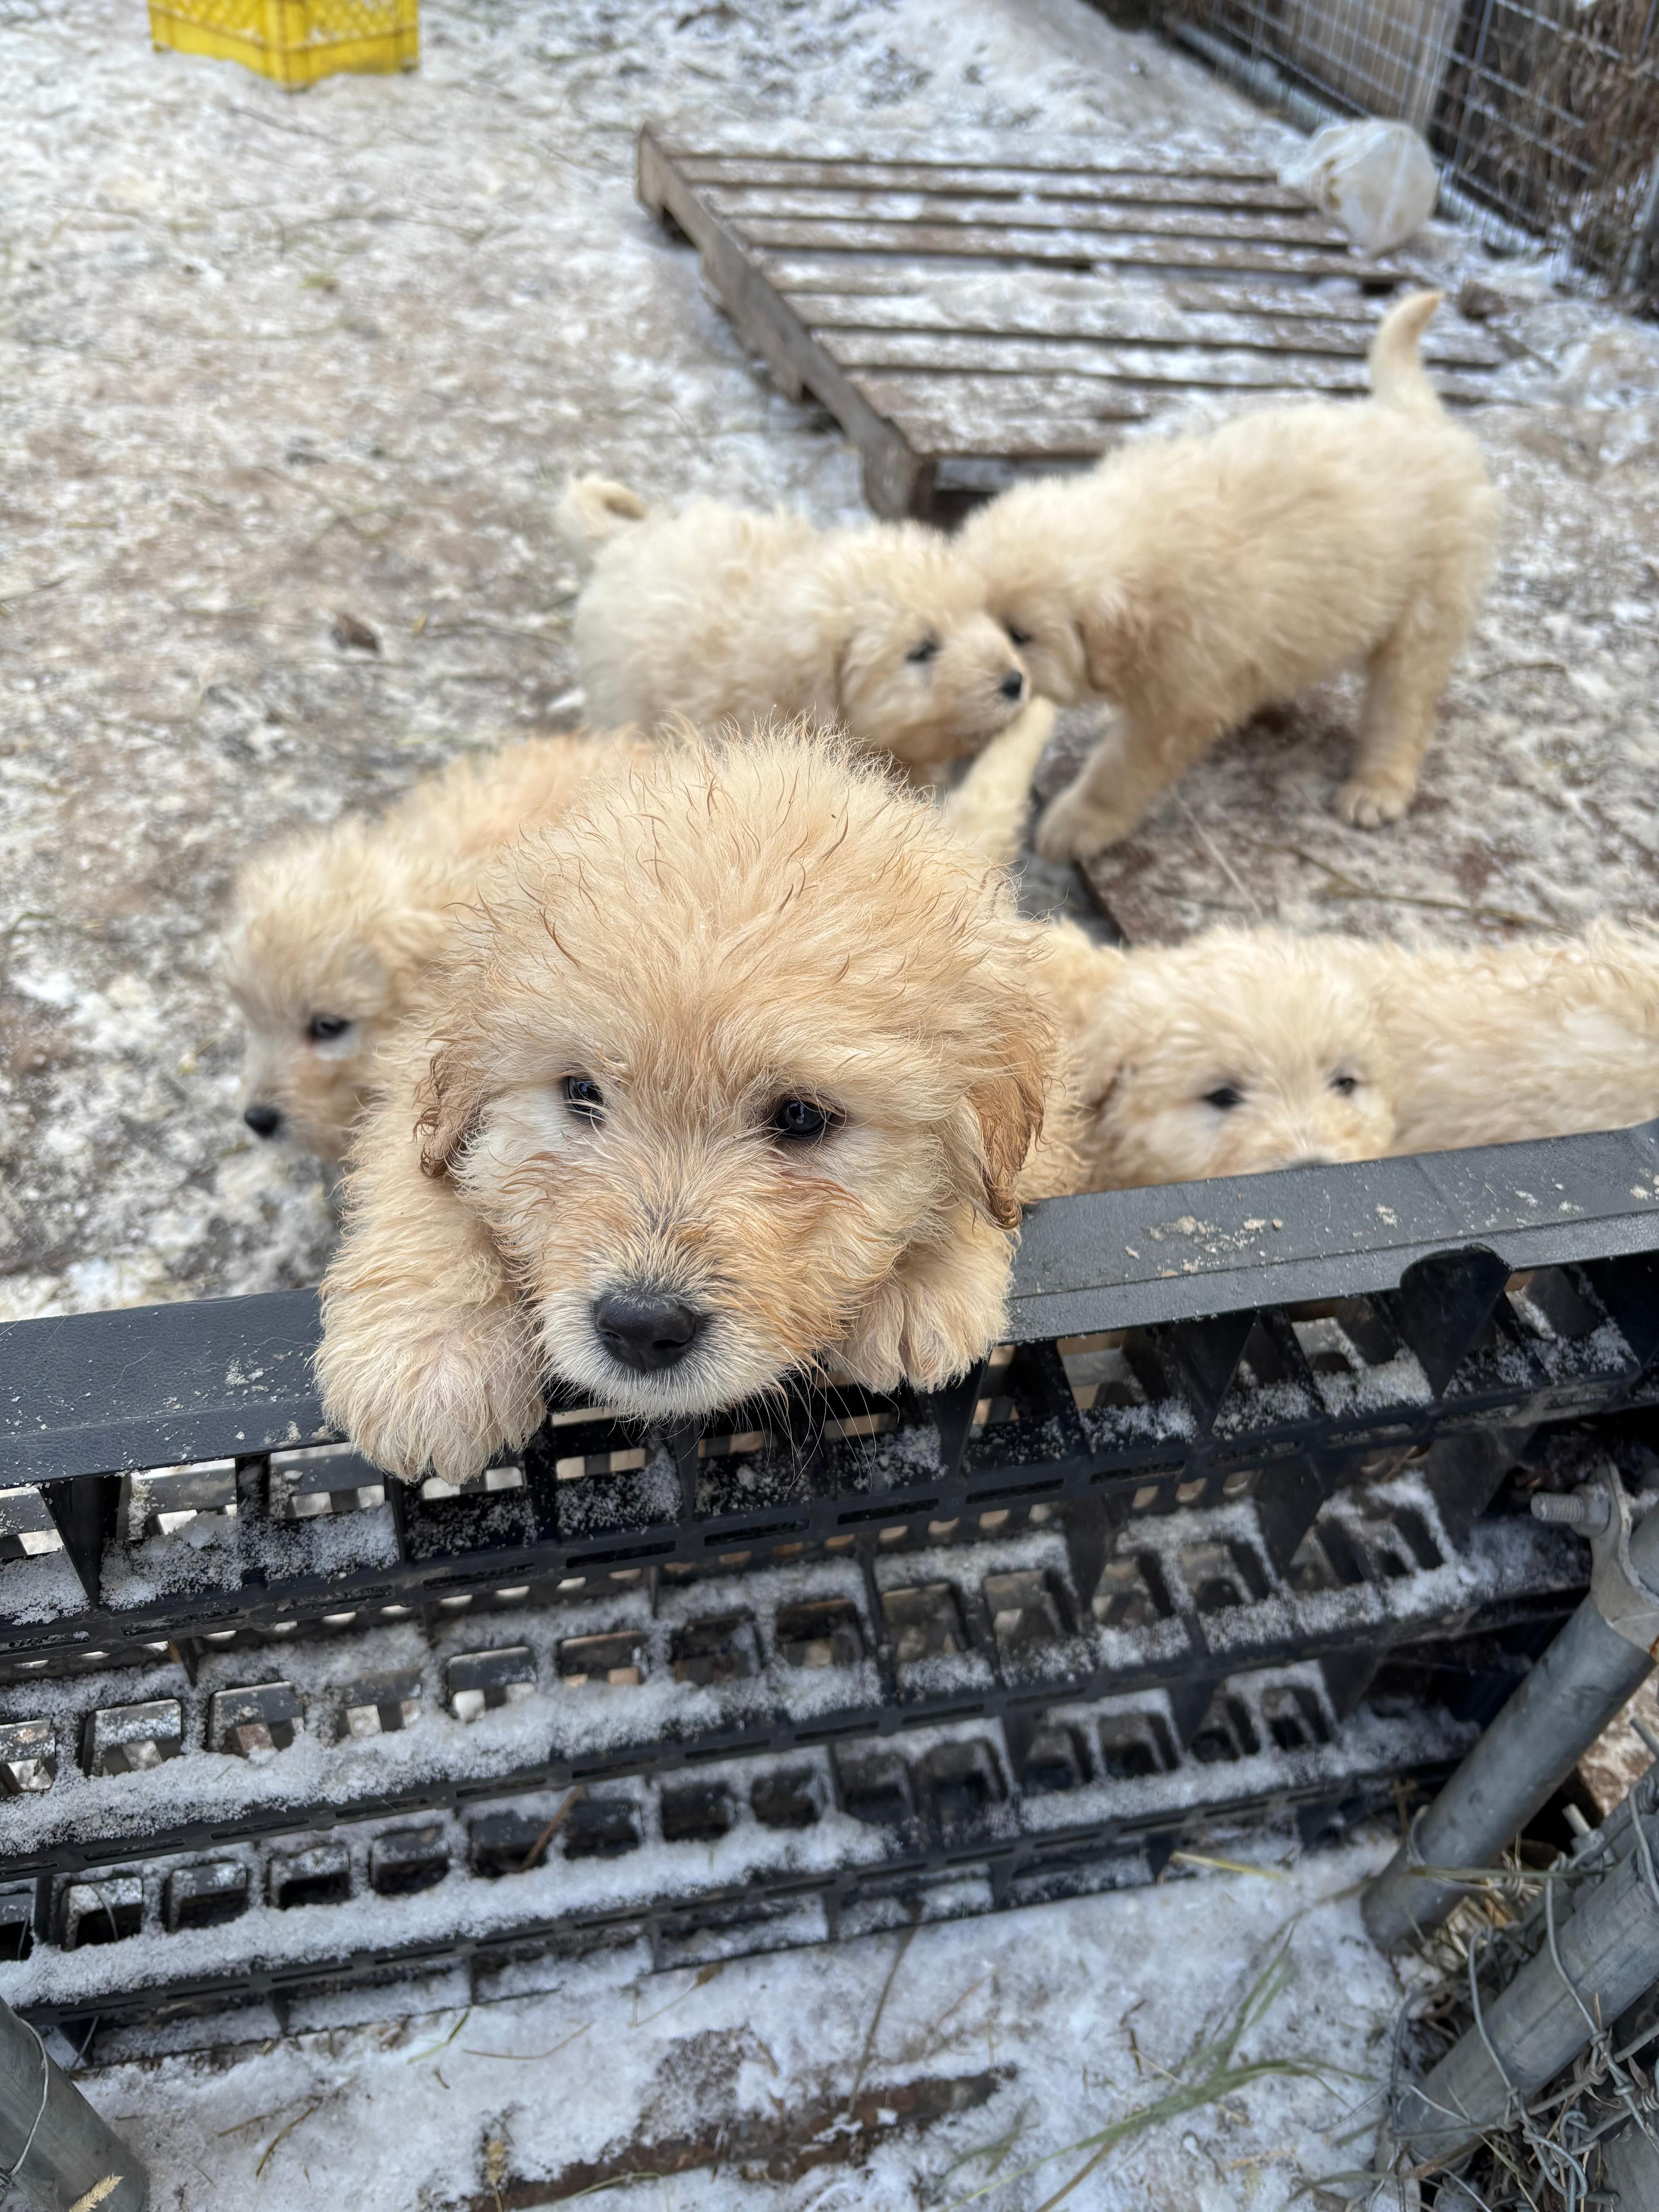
x=1211, y=370
x=877, y=275
x=989, y=310
x=952, y=436
x=742, y=207
x=1078, y=247
x=1241, y=296
x=1159, y=187
x=984, y=402
x=745, y=146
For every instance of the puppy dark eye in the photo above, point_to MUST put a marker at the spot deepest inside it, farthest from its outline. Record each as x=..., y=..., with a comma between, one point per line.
x=802, y=1120
x=1017, y=637
x=1344, y=1086
x=321, y=1027
x=925, y=651
x=583, y=1097
x=1224, y=1097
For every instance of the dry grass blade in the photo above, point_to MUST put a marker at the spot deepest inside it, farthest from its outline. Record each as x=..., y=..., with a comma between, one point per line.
x=283, y=2134
x=1226, y=1866
x=905, y=1942
x=432, y=2050
x=1209, y=2072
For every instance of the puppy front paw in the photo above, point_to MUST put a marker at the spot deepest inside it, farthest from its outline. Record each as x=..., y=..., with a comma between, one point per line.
x=1075, y=826
x=1370, y=805
x=440, y=1399
x=939, y=1314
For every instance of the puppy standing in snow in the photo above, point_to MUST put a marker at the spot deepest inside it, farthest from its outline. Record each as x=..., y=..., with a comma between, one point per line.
x=1194, y=580
x=331, y=930
x=720, y=612
x=1245, y=1049
x=730, y=1074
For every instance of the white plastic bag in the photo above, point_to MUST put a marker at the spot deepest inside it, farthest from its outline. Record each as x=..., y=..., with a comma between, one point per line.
x=1377, y=179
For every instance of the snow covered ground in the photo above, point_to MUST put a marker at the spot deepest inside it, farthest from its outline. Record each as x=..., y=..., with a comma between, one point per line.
x=970, y=2064
x=266, y=359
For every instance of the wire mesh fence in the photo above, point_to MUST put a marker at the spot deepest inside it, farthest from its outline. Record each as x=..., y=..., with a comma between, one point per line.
x=1543, y=115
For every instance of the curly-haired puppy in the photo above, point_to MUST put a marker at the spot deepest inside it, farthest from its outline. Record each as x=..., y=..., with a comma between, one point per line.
x=729, y=1075
x=1194, y=580
x=330, y=929
x=1239, y=1050
x=1245, y=1049
x=721, y=611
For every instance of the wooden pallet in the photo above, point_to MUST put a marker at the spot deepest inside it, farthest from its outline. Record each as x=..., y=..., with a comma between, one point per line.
x=974, y=308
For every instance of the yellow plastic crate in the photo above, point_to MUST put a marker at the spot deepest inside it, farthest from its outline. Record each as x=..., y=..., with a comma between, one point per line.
x=294, y=41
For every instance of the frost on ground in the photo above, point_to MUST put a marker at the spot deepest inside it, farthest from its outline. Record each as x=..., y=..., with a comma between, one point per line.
x=970, y=2063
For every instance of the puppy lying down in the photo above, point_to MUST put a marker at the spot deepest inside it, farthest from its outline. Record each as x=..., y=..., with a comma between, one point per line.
x=330, y=929
x=1194, y=580
x=721, y=611
x=1242, y=1050
x=730, y=1074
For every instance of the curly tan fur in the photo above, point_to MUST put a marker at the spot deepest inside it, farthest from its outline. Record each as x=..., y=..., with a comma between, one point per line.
x=722, y=611
x=729, y=926
x=1194, y=580
x=337, y=925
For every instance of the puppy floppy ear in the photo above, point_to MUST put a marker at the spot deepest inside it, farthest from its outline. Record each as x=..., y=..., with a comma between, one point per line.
x=1116, y=630
x=1008, y=1109
x=449, y=1100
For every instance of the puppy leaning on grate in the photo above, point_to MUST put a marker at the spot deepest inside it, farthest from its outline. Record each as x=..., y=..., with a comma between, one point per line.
x=1194, y=580
x=331, y=930
x=1246, y=1049
x=722, y=611
x=735, y=1073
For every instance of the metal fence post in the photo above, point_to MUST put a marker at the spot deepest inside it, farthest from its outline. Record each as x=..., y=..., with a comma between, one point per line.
x=53, y=2145
x=1595, y=1963
x=1592, y=1669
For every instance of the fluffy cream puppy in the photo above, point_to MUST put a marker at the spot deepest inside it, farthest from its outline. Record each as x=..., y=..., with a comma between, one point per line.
x=1243, y=1050
x=720, y=612
x=330, y=929
x=731, y=1074
x=1194, y=580
x=1237, y=1051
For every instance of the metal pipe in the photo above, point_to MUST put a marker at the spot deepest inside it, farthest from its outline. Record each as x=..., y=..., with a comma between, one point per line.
x=1603, y=1959
x=1630, y=2167
x=1579, y=1685
x=53, y=2145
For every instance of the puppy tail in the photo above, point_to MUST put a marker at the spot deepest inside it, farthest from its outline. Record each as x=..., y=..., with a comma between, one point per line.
x=593, y=509
x=1398, y=376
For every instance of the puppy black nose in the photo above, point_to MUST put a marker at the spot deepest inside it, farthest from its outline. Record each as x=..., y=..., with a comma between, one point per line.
x=1012, y=685
x=645, y=1329
x=1311, y=1160
x=264, y=1120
